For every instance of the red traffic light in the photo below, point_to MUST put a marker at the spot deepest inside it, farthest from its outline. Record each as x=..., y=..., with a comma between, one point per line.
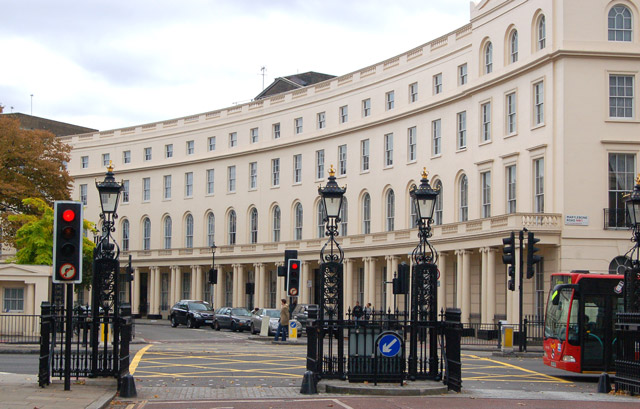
x=68, y=215
x=294, y=265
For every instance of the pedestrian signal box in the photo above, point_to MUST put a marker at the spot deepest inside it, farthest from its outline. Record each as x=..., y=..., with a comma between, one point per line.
x=67, y=242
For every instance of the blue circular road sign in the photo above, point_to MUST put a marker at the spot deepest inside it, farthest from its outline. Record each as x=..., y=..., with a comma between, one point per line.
x=389, y=345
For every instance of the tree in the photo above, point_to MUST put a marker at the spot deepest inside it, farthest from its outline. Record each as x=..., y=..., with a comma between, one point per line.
x=32, y=165
x=34, y=240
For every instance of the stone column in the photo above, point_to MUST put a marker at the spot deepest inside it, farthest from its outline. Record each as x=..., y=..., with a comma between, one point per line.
x=135, y=298
x=347, y=286
x=458, y=273
x=236, y=285
x=195, y=276
x=305, y=292
x=483, y=284
x=218, y=299
x=466, y=286
x=365, y=290
x=372, y=283
x=442, y=289
x=262, y=268
x=258, y=293
x=491, y=284
x=173, y=284
x=392, y=266
x=157, y=290
x=280, y=293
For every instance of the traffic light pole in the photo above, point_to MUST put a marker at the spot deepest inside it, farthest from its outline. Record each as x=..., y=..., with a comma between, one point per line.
x=520, y=289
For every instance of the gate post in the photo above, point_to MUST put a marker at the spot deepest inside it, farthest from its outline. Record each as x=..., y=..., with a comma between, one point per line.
x=44, y=371
x=453, y=334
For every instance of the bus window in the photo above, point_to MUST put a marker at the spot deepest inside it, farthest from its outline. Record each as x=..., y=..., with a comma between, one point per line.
x=557, y=317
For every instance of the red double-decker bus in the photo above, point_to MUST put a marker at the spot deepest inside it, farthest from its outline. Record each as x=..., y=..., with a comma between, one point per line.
x=579, y=322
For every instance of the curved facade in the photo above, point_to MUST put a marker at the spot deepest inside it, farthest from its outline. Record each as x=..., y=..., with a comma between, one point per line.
x=526, y=117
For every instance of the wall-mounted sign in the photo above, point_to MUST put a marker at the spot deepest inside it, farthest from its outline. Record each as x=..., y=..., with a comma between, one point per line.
x=570, y=220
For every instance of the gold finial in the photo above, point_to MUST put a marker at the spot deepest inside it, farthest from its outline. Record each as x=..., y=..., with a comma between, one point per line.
x=110, y=167
x=424, y=173
x=332, y=171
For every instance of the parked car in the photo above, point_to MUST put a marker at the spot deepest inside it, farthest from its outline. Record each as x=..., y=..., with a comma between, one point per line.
x=261, y=314
x=301, y=314
x=235, y=319
x=192, y=313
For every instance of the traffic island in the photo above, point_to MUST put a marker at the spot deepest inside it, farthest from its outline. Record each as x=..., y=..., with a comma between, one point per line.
x=409, y=388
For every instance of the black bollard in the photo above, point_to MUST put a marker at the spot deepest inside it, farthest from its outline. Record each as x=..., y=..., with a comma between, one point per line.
x=309, y=384
x=604, y=383
x=128, y=387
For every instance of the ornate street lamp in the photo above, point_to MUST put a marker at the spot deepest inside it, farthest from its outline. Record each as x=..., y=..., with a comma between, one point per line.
x=633, y=208
x=332, y=195
x=424, y=199
x=109, y=191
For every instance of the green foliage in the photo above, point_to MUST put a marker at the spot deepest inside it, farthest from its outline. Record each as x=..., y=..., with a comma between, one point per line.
x=34, y=240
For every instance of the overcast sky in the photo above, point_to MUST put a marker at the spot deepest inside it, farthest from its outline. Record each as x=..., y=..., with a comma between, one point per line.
x=120, y=63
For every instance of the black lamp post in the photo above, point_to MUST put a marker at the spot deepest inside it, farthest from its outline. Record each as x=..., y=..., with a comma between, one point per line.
x=424, y=199
x=424, y=297
x=332, y=195
x=213, y=273
x=106, y=269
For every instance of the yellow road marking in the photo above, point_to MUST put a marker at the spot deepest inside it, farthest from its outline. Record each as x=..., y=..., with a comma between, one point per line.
x=136, y=359
x=551, y=378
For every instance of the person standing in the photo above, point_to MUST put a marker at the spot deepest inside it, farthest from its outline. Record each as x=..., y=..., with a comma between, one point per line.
x=357, y=312
x=283, y=324
x=367, y=311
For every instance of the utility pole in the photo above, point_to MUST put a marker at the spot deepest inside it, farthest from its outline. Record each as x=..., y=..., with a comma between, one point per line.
x=520, y=289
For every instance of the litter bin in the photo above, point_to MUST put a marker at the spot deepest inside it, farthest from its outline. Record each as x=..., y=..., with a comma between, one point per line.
x=506, y=337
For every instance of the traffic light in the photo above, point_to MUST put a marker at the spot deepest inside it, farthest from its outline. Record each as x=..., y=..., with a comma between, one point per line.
x=532, y=259
x=511, y=284
x=401, y=282
x=509, y=251
x=282, y=270
x=293, y=277
x=67, y=242
x=128, y=276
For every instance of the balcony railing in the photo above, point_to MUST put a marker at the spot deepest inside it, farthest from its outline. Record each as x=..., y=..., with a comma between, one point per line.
x=616, y=219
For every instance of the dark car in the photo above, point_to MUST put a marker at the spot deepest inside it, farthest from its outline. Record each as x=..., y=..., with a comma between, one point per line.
x=191, y=313
x=235, y=319
x=301, y=314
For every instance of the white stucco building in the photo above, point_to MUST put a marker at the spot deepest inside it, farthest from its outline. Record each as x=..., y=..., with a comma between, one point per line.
x=526, y=117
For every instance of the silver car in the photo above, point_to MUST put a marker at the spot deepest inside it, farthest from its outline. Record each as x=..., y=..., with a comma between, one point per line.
x=262, y=313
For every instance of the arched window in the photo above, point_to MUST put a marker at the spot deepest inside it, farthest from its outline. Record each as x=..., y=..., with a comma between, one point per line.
x=437, y=214
x=188, y=237
x=542, y=33
x=125, y=235
x=253, y=220
x=320, y=219
x=620, y=28
x=464, y=199
x=488, y=58
x=232, y=228
x=366, y=214
x=298, y=225
x=211, y=229
x=391, y=209
x=146, y=234
x=413, y=212
x=513, y=46
x=167, y=232
x=344, y=217
x=276, y=223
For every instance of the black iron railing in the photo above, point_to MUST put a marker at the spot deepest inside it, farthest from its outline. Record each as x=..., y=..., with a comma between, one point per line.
x=19, y=329
x=483, y=334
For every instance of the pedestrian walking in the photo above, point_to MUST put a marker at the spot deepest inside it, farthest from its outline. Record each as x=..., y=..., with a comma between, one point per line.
x=367, y=311
x=357, y=312
x=283, y=323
